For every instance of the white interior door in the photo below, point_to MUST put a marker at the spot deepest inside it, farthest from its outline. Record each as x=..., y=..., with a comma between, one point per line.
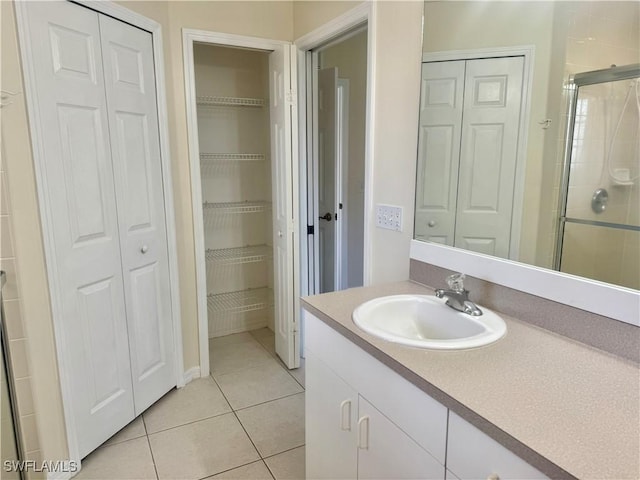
x=135, y=143
x=83, y=222
x=327, y=157
x=441, y=106
x=284, y=178
x=489, y=147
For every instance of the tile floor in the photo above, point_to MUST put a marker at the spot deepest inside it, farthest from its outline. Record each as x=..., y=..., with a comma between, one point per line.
x=245, y=421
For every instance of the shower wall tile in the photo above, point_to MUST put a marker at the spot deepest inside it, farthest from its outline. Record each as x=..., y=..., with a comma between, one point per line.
x=4, y=205
x=19, y=358
x=609, y=30
x=25, y=396
x=14, y=322
x=6, y=245
x=13, y=319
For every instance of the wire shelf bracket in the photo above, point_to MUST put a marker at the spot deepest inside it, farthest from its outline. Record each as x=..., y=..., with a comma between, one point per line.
x=231, y=157
x=235, y=207
x=229, y=102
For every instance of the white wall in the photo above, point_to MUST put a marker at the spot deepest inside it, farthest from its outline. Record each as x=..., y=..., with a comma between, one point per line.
x=398, y=29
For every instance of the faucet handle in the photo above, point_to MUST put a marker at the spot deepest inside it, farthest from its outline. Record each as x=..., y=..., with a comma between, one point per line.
x=456, y=282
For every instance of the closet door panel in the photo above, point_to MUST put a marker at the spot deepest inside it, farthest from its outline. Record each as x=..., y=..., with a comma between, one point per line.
x=133, y=120
x=81, y=217
x=492, y=102
x=283, y=231
x=441, y=106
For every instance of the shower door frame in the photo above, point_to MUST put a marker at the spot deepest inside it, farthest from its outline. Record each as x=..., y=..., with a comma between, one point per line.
x=625, y=72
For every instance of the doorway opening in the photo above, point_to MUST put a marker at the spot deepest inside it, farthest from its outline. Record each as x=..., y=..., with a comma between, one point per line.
x=232, y=97
x=336, y=211
x=241, y=121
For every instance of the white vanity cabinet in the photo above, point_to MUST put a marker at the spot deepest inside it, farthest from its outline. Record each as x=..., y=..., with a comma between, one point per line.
x=331, y=423
x=472, y=455
x=365, y=421
x=362, y=419
x=348, y=438
x=385, y=451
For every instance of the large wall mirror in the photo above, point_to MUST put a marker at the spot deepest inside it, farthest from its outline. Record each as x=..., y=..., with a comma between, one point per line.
x=495, y=175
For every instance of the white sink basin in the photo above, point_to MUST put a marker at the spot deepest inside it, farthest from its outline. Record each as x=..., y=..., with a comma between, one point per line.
x=425, y=321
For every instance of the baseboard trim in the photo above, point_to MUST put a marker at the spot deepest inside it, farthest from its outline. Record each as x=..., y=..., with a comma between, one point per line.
x=191, y=374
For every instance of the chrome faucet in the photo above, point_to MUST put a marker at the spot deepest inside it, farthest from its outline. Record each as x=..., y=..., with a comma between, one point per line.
x=457, y=296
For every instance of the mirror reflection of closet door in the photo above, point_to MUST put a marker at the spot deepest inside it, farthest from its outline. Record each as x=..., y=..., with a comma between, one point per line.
x=468, y=146
x=439, y=150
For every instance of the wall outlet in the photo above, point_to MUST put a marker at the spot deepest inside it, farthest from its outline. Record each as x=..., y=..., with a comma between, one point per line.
x=389, y=217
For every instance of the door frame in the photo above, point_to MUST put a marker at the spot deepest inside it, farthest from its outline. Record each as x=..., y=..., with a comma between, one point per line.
x=123, y=14
x=342, y=184
x=189, y=36
x=365, y=13
x=528, y=53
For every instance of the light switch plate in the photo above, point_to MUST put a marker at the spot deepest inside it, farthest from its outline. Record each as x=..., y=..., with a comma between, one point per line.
x=389, y=217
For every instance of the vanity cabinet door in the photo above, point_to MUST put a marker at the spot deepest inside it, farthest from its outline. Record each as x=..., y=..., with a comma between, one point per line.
x=331, y=419
x=473, y=455
x=418, y=415
x=386, y=452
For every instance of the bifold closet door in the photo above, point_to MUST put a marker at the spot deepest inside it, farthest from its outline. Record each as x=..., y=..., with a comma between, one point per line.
x=468, y=150
x=488, y=154
x=97, y=115
x=287, y=335
x=441, y=104
x=135, y=142
x=83, y=225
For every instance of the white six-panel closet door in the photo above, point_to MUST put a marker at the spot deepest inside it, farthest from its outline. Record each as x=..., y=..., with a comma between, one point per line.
x=97, y=116
x=441, y=104
x=83, y=223
x=467, y=146
x=135, y=143
x=488, y=154
x=283, y=231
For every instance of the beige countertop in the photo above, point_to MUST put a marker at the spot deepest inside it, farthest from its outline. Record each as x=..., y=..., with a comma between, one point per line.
x=568, y=409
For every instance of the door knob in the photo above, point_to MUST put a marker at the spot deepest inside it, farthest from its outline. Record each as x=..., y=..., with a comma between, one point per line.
x=144, y=249
x=326, y=216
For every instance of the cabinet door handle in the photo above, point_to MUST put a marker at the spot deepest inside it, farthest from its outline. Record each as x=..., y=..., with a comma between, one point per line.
x=363, y=433
x=493, y=476
x=345, y=415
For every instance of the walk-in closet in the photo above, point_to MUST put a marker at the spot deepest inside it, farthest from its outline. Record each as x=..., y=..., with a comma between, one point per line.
x=232, y=90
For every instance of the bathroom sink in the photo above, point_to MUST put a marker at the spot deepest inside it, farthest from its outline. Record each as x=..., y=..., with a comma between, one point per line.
x=425, y=321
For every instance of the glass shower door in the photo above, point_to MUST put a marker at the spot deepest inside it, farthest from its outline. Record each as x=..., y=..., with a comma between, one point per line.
x=600, y=229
